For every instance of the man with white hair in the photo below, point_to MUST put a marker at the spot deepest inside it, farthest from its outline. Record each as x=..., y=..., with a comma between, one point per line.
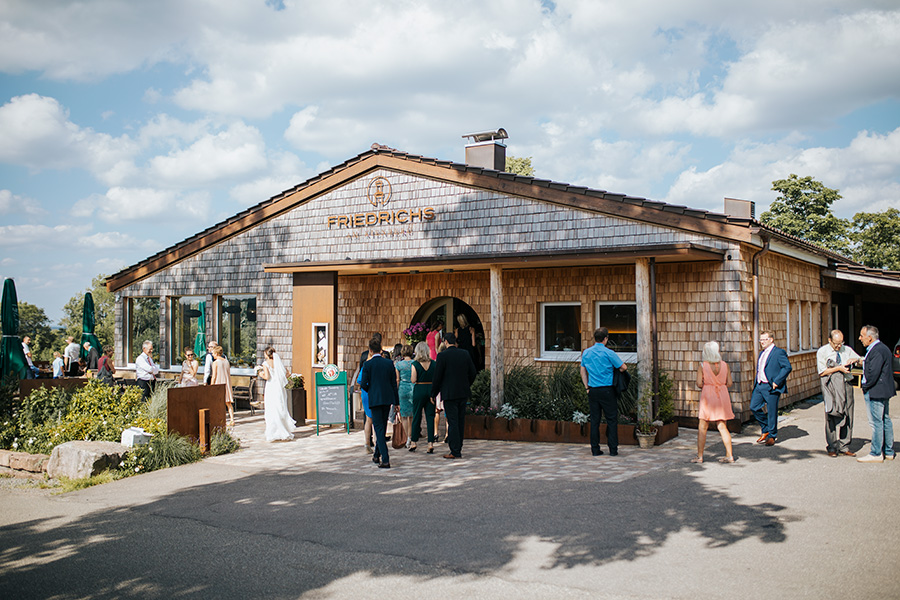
x=145, y=370
x=71, y=354
x=833, y=361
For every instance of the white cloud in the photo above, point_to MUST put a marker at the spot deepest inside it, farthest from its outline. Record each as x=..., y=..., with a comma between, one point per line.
x=11, y=204
x=30, y=236
x=113, y=240
x=37, y=134
x=285, y=171
x=121, y=205
x=231, y=154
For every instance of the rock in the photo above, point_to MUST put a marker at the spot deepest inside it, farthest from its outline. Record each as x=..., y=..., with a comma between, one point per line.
x=33, y=463
x=77, y=460
x=4, y=457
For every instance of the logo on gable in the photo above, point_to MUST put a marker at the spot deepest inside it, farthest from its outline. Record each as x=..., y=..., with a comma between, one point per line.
x=379, y=192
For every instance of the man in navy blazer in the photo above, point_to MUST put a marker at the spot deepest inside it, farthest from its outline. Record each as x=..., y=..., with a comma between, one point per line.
x=878, y=389
x=379, y=380
x=454, y=373
x=772, y=369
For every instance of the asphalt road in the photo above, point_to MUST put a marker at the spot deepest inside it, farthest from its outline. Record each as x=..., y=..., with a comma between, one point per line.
x=784, y=521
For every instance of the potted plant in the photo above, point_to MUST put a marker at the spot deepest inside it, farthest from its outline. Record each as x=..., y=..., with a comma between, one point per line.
x=298, y=397
x=645, y=430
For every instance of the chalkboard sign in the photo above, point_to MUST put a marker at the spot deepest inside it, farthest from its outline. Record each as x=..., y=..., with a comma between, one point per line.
x=332, y=406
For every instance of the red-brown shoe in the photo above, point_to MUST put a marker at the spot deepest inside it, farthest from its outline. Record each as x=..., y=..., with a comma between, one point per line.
x=770, y=441
x=450, y=456
x=762, y=439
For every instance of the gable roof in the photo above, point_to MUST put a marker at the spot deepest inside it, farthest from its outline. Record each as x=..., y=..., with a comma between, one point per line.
x=382, y=157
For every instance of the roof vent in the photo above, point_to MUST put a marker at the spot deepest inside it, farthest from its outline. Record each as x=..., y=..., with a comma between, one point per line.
x=742, y=209
x=486, y=150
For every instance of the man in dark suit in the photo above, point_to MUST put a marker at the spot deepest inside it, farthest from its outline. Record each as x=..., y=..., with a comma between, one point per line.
x=454, y=373
x=379, y=380
x=878, y=389
x=772, y=369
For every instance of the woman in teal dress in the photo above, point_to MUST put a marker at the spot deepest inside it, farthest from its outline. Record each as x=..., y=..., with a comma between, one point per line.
x=405, y=388
x=422, y=374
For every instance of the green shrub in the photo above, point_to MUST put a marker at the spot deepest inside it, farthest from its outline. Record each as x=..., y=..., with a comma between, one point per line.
x=666, y=412
x=44, y=405
x=158, y=402
x=481, y=391
x=565, y=392
x=222, y=442
x=164, y=450
x=628, y=402
x=523, y=389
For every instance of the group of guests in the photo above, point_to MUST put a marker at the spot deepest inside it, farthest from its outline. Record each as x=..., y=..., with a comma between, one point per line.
x=599, y=366
x=71, y=363
x=434, y=376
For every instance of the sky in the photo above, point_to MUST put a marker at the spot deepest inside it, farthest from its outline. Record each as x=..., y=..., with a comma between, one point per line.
x=126, y=127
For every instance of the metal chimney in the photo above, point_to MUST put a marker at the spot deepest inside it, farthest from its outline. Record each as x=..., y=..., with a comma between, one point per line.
x=742, y=209
x=486, y=150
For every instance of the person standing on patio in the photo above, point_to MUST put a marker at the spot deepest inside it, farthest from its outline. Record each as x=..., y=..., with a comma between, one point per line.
x=33, y=371
x=145, y=370
x=208, y=362
x=597, y=365
x=59, y=365
x=714, y=379
x=70, y=353
x=878, y=389
x=833, y=361
x=772, y=370
x=93, y=356
x=379, y=380
x=454, y=372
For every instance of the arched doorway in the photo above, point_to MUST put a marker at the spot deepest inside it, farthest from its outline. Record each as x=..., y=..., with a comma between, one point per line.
x=447, y=310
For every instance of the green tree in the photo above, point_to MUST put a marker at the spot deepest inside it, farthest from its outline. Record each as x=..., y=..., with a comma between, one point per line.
x=876, y=238
x=804, y=210
x=519, y=166
x=33, y=321
x=104, y=312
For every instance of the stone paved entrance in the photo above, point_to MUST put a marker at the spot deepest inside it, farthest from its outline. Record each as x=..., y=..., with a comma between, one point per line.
x=336, y=451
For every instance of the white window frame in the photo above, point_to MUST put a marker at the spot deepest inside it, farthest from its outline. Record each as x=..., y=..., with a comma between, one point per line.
x=549, y=355
x=628, y=357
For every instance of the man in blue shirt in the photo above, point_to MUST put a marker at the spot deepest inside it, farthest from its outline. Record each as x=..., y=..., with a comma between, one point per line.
x=597, y=365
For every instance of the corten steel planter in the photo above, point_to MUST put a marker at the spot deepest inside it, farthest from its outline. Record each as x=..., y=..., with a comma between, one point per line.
x=565, y=432
x=666, y=433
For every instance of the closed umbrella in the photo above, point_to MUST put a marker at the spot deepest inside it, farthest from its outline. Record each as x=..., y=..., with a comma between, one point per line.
x=200, y=338
x=12, y=357
x=87, y=326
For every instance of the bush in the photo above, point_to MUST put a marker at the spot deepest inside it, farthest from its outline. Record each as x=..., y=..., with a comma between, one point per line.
x=158, y=402
x=565, y=392
x=481, y=391
x=523, y=389
x=628, y=402
x=164, y=450
x=222, y=442
x=666, y=412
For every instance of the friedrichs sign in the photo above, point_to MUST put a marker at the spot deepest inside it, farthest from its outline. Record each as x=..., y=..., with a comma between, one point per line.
x=379, y=194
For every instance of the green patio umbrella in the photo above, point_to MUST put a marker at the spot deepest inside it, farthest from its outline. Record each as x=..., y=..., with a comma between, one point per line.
x=200, y=338
x=12, y=357
x=87, y=326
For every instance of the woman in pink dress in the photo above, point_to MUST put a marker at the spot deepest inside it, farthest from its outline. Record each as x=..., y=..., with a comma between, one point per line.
x=714, y=379
x=433, y=339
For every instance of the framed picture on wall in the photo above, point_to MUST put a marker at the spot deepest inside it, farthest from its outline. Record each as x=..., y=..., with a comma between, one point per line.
x=320, y=344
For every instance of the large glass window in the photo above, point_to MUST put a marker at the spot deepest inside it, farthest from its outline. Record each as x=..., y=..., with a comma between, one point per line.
x=561, y=330
x=143, y=324
x=186, y=318
x=621, y=320
x=237, y=329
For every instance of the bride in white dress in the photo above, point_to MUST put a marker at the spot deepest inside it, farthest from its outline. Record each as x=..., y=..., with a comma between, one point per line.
x=279, y=424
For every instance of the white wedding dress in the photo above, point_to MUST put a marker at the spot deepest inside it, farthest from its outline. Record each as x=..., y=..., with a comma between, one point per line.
x=279, y=424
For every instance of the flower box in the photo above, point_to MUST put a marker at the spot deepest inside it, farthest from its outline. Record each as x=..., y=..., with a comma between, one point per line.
x=566, y=432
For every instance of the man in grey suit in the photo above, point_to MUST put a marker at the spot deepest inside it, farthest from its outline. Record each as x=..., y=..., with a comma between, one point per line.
x=379, y=380
x=878, y=389
x=454, y=373
x=833, y=361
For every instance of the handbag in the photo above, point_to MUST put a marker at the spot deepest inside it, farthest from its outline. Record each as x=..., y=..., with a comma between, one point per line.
x=398, y=438
x=438, y=403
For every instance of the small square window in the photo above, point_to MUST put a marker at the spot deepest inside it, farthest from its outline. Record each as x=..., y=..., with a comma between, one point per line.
x=561, y=330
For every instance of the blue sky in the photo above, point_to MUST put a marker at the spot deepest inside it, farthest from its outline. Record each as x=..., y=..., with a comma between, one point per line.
x=127, y=126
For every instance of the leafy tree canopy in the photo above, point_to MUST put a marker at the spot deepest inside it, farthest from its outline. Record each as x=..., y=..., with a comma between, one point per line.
x=804, y=210
x=519, y=166
x=876, y=238
x=104, y=312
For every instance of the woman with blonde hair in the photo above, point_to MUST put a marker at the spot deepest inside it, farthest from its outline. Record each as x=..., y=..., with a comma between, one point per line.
x=189, y=368
x=714, y=379
x=422, y=374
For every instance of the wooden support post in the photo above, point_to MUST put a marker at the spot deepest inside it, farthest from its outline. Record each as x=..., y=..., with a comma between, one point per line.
x=496, y=337
x=644, y=333
x=204, y=430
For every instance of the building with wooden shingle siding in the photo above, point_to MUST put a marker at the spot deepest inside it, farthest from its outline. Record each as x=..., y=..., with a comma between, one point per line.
x=388, y=239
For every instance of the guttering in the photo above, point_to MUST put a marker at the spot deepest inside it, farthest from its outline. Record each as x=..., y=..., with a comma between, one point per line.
x=756, y=257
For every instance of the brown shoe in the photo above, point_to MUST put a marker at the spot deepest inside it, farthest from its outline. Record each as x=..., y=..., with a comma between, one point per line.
x=832, y=454
x=770, y=441
x=762, y=439
x=450, y=456
x=848, y=453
